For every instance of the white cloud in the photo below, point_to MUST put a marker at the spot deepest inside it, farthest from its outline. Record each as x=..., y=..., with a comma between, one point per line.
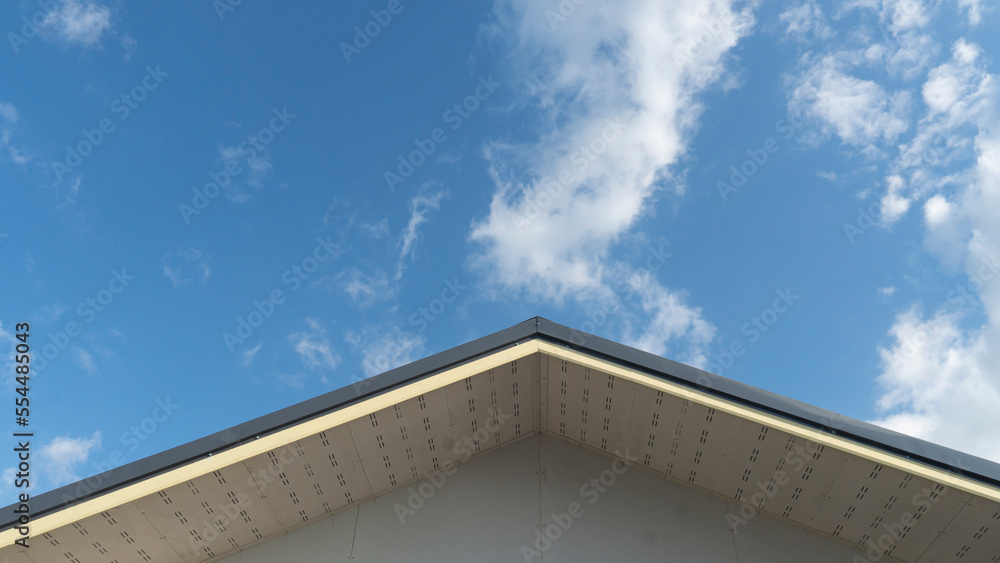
x=364, y=289
x=905, y=14
x=420, y=207
x=8, y=112
x=377, y=230
x=296, y=380
x=616, y=89
x=61, y=456
x=806, y=21
x=184, y=265
x=313, y=347
x=7, y=345
x=860, y=112
x=247, y=356
x=959, y=96
x=828, y=175
x=253, y=164
x=941, y=384
x=129, y=46
x=941, y=375
x=48, y=314
x=382, y=350
x=975, y=9
x=911, y=55
x=84, y=360
x=671, y=321
x=78, y=21
x=7, y=479
x=10, y=116
x=887, y=291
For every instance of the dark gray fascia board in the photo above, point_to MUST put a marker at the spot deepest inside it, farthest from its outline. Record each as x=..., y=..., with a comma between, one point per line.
x=912, y=448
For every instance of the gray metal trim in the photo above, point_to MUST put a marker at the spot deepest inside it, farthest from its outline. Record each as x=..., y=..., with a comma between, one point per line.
x=913, y=448
x=129, y=473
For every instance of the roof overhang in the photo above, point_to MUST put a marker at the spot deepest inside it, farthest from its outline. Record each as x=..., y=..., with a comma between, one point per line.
x=819, y=470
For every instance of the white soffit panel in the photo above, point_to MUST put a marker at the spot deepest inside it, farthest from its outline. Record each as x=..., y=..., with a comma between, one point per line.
x=779, y=473
x=815, y=479
x=310, y=478
x=871, y=502
x=210, y=514
x=973, y=535
x=679, y=438
x=401, y=442
x=499, y=402
x=119, y=534
x=589, y=407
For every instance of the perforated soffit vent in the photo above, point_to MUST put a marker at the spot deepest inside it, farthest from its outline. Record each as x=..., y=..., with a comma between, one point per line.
x=514, y=384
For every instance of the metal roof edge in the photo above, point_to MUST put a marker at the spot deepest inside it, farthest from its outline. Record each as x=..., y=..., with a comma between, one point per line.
x=932, y=454
x=126, y=474
x=912, y=448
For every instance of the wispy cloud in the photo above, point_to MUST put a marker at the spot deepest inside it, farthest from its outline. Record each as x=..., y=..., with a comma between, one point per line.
x=314, y=348
x=82, y=22
x=806, y=21
x=9, y=117
x=84, y=360
x=363, y=288
x=182, y=266
x=385, y=349
x=247, y=356
x=63, y=455
x=615, y=88
x=858, y=111
x=129, y=46
x=429, y=199
x=48, y=314
x=256, y=163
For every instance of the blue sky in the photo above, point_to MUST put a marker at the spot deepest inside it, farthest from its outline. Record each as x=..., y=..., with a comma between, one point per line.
x=215, y=210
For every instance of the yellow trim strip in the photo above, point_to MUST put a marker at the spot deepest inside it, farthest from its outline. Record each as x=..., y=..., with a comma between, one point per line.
x=791, y=427
x=243, y=452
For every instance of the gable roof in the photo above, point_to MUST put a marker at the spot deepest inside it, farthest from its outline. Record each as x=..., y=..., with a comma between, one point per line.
x=379, y=434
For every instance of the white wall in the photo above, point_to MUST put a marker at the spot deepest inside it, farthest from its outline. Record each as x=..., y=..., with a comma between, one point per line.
x=492, y=508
